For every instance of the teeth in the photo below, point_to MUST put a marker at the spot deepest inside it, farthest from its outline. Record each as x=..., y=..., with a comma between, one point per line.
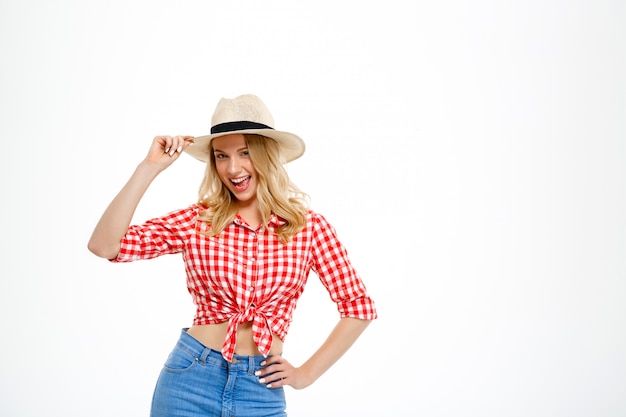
x=238, y=180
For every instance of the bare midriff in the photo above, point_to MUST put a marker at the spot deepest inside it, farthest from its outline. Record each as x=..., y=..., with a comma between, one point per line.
x=213, y=336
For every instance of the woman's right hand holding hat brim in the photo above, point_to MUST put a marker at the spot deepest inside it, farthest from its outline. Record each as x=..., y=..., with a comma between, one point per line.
x=166, y=149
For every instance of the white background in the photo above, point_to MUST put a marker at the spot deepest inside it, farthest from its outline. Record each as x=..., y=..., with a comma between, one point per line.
x=471, y=156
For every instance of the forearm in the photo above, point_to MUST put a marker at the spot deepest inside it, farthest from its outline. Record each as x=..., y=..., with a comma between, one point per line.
x=105, y=239
x=343, y=336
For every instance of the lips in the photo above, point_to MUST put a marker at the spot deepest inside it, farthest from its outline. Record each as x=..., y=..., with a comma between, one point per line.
x=241, y=183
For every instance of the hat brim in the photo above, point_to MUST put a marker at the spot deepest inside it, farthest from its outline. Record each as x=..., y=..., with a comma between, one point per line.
x=291, y=146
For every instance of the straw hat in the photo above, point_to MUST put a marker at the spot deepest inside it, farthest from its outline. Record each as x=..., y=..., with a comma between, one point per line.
x=245, y=114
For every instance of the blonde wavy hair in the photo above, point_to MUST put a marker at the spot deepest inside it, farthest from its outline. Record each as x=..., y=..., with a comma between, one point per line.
x=275, y=192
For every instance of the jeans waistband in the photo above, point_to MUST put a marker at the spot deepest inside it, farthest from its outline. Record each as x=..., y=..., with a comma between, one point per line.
x=207, y=355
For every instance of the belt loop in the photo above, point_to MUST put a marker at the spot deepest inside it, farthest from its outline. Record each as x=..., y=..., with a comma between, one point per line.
x=251, y=365
x=204, y=355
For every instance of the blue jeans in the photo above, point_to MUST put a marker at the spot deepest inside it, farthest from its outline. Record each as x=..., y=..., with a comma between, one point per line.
x=198, y=381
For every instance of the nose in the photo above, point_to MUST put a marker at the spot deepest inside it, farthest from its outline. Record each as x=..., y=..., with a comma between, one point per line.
x=234, y=165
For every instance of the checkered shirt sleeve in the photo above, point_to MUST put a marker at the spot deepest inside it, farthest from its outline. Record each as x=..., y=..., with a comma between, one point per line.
x=159, y=236
x=332, y=265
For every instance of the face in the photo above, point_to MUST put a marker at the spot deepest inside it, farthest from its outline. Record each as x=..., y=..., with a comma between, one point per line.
x=235, y=167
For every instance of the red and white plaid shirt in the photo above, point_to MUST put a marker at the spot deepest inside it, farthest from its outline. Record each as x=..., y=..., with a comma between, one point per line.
x=246, y=275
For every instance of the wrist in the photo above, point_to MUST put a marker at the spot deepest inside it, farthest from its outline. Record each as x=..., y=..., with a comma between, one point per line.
x=308, y=374
x=148, y=169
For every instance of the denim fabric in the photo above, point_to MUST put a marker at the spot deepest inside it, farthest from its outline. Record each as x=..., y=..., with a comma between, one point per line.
x=198, y=381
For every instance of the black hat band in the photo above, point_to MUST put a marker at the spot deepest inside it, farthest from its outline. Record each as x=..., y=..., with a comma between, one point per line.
x=235, y=126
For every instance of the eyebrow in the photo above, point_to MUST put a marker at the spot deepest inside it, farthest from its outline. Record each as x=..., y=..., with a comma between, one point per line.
x=238, y=150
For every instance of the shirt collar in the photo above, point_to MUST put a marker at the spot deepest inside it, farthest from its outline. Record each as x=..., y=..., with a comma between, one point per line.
x=274, y=220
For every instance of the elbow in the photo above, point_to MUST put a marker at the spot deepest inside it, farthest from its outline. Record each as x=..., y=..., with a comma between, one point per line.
x=361, y=323
x=103, y=251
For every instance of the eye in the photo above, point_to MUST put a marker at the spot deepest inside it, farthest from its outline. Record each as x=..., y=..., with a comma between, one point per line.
x=245, y=153
x=220, y=156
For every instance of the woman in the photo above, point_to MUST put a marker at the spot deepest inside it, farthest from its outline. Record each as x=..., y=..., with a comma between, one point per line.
x=248, y=246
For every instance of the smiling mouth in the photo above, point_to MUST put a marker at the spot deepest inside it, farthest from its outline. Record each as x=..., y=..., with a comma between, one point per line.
x=241, y=184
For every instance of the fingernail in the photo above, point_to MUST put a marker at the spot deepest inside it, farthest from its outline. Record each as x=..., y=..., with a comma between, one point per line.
x=262, y=380
x=269, y=385
x=257, y=373
x=263, y=363
x=180, y=148
x=167, y=150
